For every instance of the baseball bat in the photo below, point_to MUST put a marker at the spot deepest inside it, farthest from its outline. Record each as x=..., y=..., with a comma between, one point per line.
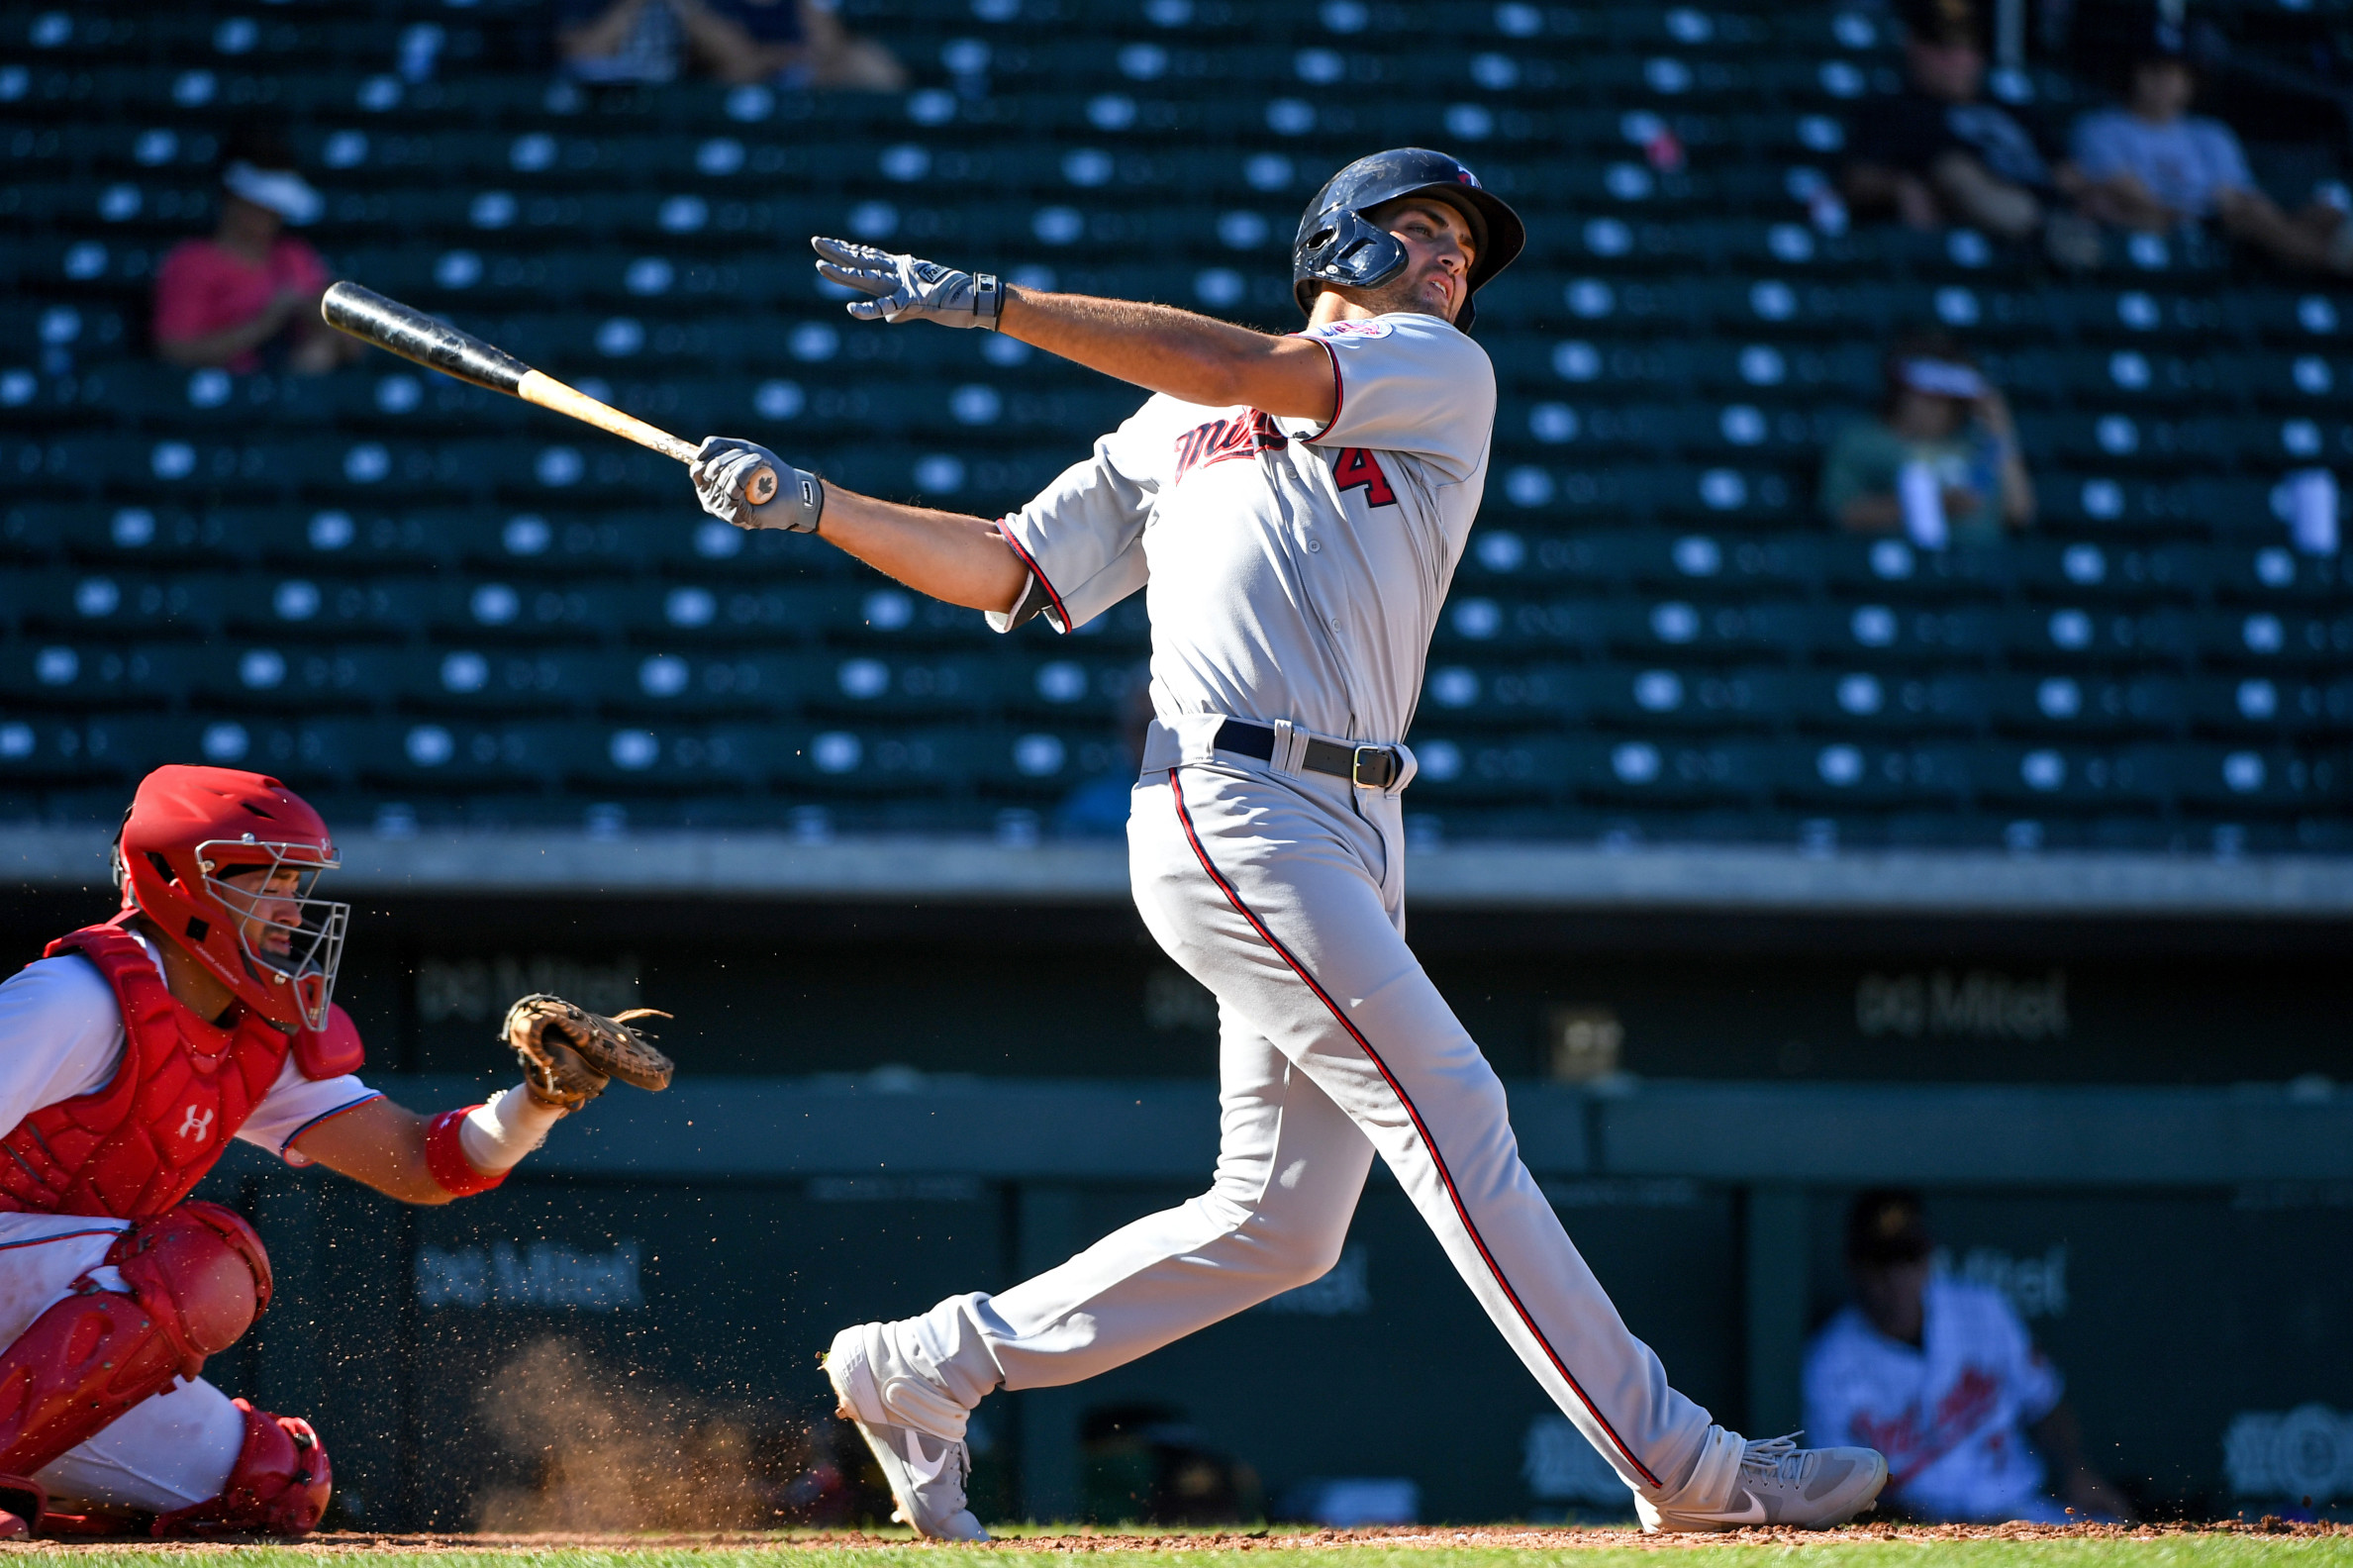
x=434, y=344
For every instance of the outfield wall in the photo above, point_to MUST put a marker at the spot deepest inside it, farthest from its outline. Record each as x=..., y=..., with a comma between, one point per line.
x=2180, y=1253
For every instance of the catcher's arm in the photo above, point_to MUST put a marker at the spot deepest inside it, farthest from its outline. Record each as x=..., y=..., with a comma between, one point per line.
x=378, y=1144
x=568, y=1056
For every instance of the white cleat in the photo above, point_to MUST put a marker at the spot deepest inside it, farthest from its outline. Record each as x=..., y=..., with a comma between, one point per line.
x=1782, y=1484
x=925, y=1473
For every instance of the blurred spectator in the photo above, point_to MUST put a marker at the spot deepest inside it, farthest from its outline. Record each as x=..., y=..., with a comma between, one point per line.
x=802, y=44
x=252, y=290
x=1937, y=153
x=1942, y=1378
x=2153, y=167
x=1097, y=807
x=641, y=41
x=1145, y=1463
x=789, y=43
x=1939, y=462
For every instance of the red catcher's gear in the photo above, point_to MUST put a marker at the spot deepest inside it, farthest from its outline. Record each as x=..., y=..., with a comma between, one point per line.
x=187, y=831
x=21, y=1501
x=331, y=1051
x=140, y=1143
x=445, y=1156
x=278, y=1486
x=198, y=1279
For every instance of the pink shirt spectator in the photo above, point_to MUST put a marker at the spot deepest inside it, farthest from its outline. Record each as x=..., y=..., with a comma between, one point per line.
x=203, y=288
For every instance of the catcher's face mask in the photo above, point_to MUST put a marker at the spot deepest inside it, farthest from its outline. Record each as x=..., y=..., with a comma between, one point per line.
x=283, y=931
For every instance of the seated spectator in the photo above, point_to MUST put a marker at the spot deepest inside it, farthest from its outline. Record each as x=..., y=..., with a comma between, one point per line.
x=802, y=44
x=2153, y=167
x=1097, y=807
x=787, y=43
x=250, y=292
x=1937, y=153
x=1939, y=462
x=1942, y=1378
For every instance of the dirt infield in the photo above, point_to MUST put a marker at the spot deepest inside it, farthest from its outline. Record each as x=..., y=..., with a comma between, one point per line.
x=1396, y=1540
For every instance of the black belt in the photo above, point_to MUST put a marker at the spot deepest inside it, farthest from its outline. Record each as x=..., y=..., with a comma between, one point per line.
x=1365, y=767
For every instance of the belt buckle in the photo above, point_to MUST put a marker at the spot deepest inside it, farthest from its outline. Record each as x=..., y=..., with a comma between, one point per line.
x=1384, y=757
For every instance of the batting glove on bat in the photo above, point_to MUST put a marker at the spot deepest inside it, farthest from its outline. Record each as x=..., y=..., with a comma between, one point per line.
x=906, y=288
x=722, y=466
x=569, y=1053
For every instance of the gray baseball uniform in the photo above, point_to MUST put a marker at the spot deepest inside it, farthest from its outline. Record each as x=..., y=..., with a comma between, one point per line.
x=1294, y=576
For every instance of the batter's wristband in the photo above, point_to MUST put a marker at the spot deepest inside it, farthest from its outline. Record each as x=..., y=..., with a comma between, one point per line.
x=445, y=1157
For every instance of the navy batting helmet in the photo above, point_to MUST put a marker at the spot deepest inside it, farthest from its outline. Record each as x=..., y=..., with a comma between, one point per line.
x=1336, y=244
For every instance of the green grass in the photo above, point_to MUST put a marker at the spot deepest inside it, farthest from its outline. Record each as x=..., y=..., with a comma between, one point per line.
x=1106, y=1550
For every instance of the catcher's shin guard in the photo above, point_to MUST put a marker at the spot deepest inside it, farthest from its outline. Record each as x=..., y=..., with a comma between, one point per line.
x=198, y=1279
x=278, y=1486
x=22, y=1503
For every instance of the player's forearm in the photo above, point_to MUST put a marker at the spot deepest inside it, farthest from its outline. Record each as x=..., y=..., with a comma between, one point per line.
x=1165, y=350
x=1872, y=514
x=219, y=348
x=378, y=1144
x=960, y=559
x=2060, y=1441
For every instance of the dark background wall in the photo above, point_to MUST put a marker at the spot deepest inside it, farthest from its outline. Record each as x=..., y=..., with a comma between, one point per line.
x=2239, y=1295
x=1082, y=991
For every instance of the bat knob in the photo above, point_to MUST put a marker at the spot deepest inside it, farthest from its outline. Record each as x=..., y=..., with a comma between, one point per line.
x=760, y=488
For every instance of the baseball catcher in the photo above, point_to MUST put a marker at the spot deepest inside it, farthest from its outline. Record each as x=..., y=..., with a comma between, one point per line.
x=130, y=1053
x=1292, y=508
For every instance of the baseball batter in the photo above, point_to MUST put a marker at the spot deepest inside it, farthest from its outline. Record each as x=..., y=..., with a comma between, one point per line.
x=129, y=1054
x=1293, y=507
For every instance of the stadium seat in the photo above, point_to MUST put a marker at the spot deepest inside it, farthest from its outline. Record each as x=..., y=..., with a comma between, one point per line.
x=396, y=586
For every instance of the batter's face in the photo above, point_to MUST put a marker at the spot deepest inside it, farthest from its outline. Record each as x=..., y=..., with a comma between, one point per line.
x=1438, y=254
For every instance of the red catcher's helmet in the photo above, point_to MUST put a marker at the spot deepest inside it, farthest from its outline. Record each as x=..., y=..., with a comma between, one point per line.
x=189, y=829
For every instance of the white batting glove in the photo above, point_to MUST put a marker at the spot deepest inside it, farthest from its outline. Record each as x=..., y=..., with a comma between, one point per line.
x=722, y=466
x=906, y=288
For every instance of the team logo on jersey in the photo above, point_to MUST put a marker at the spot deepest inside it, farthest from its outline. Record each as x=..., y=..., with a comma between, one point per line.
x=1352, y=328
x=1355, y=469
x=1244, y=436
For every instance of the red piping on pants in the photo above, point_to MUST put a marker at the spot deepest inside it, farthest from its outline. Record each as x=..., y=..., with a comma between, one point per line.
x=1445, y=1176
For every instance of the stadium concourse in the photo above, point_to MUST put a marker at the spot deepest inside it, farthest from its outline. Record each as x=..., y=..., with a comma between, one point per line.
x=430, y=607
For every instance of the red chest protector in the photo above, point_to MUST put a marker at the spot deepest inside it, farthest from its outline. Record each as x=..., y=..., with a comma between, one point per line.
x=137, y=1146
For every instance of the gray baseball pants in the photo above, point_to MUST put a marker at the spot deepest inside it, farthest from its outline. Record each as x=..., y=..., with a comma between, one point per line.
x=1283, y=894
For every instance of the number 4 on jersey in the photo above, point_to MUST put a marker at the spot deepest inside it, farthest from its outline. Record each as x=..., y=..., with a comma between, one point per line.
x=1357, y=467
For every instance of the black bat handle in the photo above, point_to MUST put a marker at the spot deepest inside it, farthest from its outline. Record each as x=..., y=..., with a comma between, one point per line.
x=412, y=335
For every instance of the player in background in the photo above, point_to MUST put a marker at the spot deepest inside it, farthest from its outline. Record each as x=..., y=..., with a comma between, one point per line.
x=1293, y=507
x=129, y=1054
x=1941, y=1376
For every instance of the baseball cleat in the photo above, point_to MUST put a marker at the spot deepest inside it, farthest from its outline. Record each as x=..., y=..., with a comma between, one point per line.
x=1780, y=1483
x=925, y=1473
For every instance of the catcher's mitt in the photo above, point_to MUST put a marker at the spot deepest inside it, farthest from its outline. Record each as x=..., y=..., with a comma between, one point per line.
x=569, y=1053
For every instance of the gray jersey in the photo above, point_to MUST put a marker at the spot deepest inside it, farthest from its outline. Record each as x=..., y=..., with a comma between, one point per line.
x=1292, y=572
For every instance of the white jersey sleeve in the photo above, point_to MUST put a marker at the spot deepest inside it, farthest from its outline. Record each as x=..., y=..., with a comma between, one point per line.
x=1407, y=383
x=295, y=1105
x=60, y=1035
x=1081, y=536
